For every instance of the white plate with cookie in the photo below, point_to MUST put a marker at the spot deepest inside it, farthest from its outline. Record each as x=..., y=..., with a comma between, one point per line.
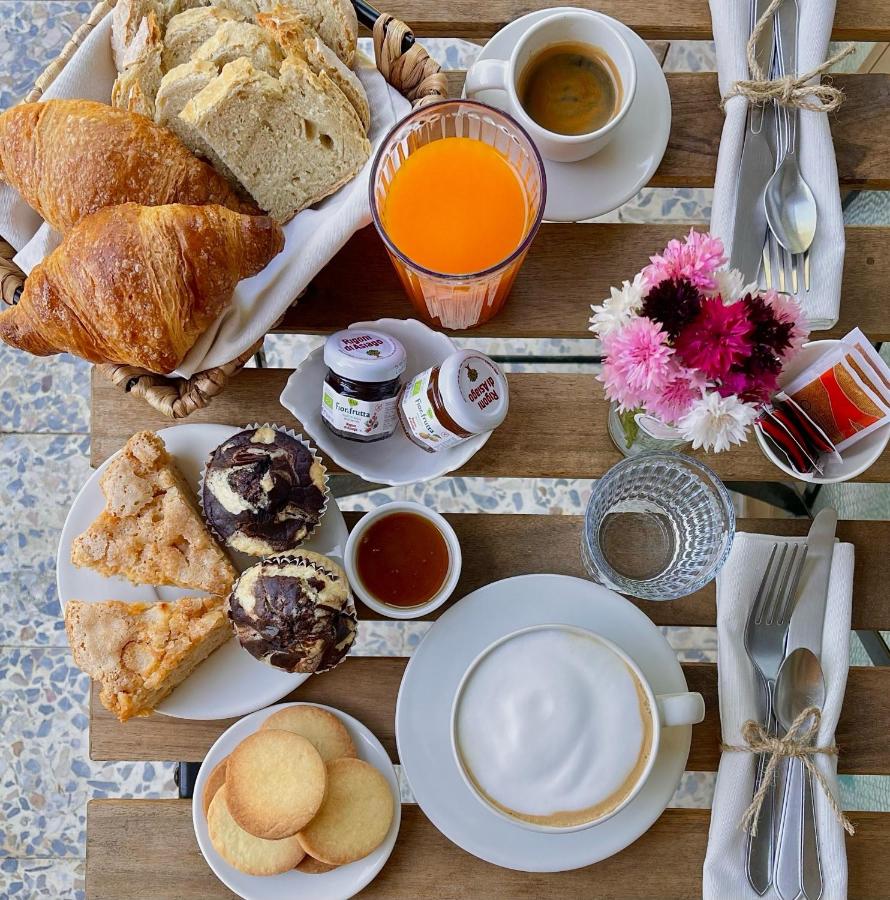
x=264, y=773
x=230, y=682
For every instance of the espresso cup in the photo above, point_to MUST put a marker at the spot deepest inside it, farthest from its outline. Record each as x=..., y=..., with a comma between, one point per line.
x=555, y=728
x=577, y=26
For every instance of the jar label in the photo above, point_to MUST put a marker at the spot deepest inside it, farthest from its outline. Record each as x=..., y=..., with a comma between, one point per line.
x=420, y=417
x=363, y=417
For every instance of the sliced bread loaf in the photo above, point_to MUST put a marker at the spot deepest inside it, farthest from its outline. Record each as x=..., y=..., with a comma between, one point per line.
x=234, y=39
x=136, y=86
x=300, y=120
x=187, y=30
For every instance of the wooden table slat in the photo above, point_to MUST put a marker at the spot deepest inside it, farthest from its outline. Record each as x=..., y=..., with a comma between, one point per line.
x=367, y=687
x=139, y=846
x=556, y=427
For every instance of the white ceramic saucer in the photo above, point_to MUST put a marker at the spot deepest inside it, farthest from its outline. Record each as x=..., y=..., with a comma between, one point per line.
x=604, y=181
x=230, y=682
x=342, y=882
x=423, y=718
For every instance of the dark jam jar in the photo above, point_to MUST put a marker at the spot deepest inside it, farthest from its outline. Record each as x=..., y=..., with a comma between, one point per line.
x=360, y=394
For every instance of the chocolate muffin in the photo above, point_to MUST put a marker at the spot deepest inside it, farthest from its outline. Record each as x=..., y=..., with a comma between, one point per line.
x=264, y=491
x=294, y=612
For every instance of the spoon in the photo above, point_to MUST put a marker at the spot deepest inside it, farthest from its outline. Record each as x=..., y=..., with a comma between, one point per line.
x=789, y=203
x=798, y=870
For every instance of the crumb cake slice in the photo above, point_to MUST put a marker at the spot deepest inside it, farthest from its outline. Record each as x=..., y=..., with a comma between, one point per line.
x=151, y=530
x=139, y=652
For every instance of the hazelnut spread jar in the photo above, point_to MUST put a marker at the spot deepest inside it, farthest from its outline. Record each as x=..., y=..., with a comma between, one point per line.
x=361, y=390
x=463, y=396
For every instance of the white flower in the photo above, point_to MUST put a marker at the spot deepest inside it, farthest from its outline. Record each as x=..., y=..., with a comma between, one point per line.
x=616, y=311
x=716, y=423
x=730, y=285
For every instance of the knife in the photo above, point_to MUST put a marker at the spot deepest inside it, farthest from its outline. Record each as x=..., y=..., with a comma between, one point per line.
x=755, y=167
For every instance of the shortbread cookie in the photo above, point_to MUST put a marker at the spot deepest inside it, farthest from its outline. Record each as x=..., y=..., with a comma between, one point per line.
x=322, y=729
x=215, y=780
x=355, y=816
x=309, y=866
x=275, y=783
x=246, y=852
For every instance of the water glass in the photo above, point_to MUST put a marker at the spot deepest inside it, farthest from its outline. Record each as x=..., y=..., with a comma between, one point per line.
x=446, y=300
x=658, y=526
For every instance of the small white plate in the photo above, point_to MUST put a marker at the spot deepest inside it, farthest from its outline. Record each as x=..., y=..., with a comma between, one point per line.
x=230, y=682
x=423, y=718
x=342, y=882
x=395, y=460
x=854, y=460
x=602, y=182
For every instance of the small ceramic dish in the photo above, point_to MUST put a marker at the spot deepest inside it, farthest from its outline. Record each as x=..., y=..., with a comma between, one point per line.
x=395, y=460
x=454, y=560
x=854, y=460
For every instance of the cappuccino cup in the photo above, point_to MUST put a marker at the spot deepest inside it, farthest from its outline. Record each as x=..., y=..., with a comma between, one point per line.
x=586, y=35
x=555, y=728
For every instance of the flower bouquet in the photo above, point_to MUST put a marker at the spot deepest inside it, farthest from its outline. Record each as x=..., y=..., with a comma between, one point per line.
x=689, y=344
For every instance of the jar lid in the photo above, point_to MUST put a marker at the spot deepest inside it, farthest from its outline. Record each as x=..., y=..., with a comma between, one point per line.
x=474, y=391
x=364, y=355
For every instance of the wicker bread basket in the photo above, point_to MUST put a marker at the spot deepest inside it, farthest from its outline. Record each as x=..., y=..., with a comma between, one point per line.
x=413, y=73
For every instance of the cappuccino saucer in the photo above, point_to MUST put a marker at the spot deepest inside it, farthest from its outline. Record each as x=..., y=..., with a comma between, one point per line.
x=426, y=695
x=602, y=182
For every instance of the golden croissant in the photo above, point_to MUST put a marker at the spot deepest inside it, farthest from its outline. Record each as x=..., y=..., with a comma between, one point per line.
x=139, y=284
x=68, y=158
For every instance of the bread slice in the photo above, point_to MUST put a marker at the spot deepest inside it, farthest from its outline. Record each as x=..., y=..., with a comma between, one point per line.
x=290, y=141
x=187, y=30
x=151, y=530
x=139, y=652
x=235, y=39
x=137, y=85
x=296, y=36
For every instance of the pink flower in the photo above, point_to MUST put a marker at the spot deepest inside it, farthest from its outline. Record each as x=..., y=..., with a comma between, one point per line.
x=696, y=259
x=716, y=338
x=673, y=401
x=637, y=362
x=787, y=309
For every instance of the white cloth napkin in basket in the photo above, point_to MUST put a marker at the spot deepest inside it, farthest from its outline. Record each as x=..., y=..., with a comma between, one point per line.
x=740, y=692
x=731, y=24
x=312, y=238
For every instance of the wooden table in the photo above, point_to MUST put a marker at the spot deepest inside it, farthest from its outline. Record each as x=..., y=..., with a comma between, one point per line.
x=141, y=848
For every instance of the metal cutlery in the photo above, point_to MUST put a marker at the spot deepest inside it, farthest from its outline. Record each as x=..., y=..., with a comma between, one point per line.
x=765, y=635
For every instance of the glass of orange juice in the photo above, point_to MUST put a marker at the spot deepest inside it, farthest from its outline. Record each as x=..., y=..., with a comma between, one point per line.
x=457, y=194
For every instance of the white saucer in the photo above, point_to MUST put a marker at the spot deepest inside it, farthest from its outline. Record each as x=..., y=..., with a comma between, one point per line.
x=230, y=682
x=423, y=716
x=395, y=460
x=604, y=181
x=342, y=882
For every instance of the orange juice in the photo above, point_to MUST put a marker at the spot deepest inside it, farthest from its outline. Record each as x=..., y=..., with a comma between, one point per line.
x=456, y=206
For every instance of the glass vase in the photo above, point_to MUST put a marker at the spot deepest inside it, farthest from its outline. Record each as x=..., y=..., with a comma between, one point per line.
x=634, y=432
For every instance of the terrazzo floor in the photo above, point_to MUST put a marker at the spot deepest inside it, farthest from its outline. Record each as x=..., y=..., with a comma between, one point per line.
x=46, y=777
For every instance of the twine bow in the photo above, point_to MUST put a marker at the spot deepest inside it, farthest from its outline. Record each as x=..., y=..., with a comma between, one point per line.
x=798, y=743
x=789, y=90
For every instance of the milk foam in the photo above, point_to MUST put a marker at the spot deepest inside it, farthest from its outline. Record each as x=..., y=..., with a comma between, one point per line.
x=551, y=722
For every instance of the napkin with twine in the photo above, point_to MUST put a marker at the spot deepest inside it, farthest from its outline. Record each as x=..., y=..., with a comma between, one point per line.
x=740, y=701
x=731, y=24
x=312, y=237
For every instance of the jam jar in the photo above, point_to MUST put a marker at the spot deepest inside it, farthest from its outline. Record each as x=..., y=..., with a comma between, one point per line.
x=463, y=396
x=361, y=389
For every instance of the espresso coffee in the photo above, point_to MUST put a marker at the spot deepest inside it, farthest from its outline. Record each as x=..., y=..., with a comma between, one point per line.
x=570, y=88
x=553, y=728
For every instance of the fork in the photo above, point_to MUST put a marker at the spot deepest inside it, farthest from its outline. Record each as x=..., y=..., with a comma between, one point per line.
x=765, y=635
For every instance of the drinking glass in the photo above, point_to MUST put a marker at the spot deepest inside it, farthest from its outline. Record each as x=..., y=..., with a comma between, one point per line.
x=459, y=301
x=658, y=526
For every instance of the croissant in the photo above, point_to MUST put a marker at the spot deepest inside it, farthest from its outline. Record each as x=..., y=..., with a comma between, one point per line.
x=138, y=284
x=68, y=158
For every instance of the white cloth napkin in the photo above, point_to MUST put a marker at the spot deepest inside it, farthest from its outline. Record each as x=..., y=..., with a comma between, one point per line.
x=312, y=238
x=740, y=692
x=731, y=24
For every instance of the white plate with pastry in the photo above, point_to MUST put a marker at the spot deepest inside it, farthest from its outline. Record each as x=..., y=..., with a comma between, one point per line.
x=347, y=742
x=162, y=640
